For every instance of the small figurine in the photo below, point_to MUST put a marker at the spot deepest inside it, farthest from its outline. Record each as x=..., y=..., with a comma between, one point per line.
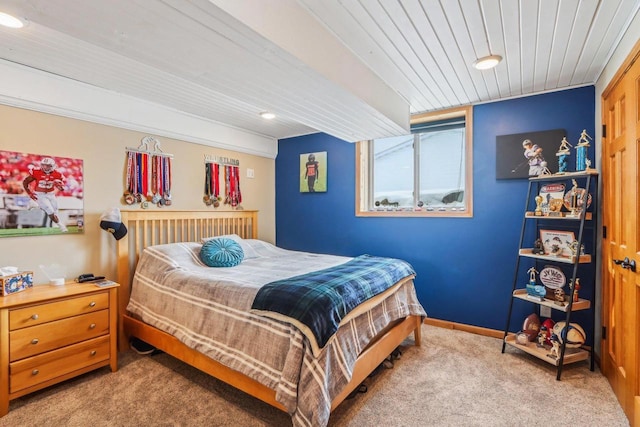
x=584, y=139
x=564, y=147
x=576, y=290
x=532, y=275
x=538, y=247
x=573, y=247
x=555, y=347
x=542, y=336
x=559, y=297
x=587, y=162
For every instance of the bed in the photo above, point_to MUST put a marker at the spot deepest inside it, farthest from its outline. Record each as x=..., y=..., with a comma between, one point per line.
x=266, y=357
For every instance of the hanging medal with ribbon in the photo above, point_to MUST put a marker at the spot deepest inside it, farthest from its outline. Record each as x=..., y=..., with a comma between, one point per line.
x=156, y=170
x=166, y=180
x=211, y=184
x=128, y=195
x=233, y=196
x=140, y=168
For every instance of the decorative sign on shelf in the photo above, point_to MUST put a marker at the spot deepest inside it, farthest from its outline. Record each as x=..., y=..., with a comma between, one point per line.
x=552, y=277
x=552, y=199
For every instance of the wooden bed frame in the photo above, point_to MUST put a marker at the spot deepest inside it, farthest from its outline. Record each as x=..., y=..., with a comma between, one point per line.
x=146, y=228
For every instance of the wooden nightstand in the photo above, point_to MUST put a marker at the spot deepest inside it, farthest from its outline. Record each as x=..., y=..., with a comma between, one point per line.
x=52, y=333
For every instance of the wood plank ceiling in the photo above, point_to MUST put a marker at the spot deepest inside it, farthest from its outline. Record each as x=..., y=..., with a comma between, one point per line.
x=355, y=69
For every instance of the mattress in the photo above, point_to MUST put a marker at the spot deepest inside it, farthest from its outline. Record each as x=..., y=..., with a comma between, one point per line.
x=209, y=310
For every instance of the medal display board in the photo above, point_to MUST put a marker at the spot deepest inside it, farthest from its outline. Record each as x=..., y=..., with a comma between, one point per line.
x=148, y=178
x=231, y=170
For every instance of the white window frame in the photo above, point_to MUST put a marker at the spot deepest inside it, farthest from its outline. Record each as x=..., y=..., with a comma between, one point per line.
x=364, y=177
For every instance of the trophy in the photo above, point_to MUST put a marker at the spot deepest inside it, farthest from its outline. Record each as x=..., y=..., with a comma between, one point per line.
x=535, y=291
x=538, y=211
x=563, y=153
x=575, y=200
x=581, y=151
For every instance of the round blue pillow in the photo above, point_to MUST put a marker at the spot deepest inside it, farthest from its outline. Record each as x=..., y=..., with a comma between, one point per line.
x=221, y=252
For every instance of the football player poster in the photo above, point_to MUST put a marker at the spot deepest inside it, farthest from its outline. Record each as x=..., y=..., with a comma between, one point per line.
x=40, y=194
x=313, y=172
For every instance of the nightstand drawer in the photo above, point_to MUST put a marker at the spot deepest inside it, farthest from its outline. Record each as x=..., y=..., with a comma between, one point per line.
x=48, y=336
x=43, y=313
x=44, y=367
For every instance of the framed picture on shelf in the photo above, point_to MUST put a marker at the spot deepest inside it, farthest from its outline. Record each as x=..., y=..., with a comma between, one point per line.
x=557, y=243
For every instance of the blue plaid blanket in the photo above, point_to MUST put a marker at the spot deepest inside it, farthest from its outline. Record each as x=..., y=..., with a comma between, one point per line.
x=321, y=299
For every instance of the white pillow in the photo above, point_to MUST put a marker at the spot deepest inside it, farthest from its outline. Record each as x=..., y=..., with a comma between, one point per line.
x=247, y=248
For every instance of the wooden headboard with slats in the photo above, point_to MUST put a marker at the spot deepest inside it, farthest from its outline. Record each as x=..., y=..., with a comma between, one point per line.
x=147, y=228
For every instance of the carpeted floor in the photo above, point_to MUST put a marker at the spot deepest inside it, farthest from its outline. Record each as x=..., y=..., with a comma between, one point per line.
x=453, y=379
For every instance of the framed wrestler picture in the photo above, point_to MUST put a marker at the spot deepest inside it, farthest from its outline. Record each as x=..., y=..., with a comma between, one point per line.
x=527, y=154
x=313, y=172
x=40, y=194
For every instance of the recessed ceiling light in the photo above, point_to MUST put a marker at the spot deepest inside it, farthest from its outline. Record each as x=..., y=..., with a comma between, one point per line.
x=7, y=20
x=487, y=62
x=267, y=115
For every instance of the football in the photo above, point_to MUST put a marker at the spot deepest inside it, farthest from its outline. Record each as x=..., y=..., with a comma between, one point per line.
x=531, y=325
x=574, y=334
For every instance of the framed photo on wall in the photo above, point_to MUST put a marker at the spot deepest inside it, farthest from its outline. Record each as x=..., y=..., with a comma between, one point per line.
x=517, y=159
x=40, y=194
x=313, y=172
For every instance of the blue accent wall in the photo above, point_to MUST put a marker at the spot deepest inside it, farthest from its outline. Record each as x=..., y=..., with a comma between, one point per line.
x=464, y=266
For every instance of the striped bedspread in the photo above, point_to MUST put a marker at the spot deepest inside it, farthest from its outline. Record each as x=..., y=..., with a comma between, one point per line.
x=209, y=310
x=317, y=302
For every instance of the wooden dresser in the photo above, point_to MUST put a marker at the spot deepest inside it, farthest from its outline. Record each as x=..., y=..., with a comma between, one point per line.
x=52, y=333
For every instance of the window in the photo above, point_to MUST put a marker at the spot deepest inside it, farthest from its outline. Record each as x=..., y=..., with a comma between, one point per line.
x=425, y=173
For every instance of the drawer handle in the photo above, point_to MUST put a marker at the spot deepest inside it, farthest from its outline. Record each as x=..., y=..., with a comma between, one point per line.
x=91, y=326
x=34, y=316
x=35, y=372
x=93, y=353
x=35, y=341
x=92, y=304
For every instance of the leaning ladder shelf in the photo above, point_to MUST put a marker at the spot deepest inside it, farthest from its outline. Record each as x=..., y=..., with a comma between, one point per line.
x=567, y=354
